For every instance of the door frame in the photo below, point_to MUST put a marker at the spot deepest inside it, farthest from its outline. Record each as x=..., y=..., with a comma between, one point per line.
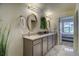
x=60, y=36
x=58, y=32
x=75, y=44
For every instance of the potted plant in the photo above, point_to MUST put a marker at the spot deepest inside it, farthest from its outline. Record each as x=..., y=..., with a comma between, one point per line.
x=43, y=23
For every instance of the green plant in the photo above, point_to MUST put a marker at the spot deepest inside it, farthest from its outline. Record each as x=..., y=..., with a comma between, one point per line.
x=4, y=33
x=43, y=23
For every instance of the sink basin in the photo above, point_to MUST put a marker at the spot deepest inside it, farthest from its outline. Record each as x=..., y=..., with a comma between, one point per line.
x=39, y=33
x=42, y=33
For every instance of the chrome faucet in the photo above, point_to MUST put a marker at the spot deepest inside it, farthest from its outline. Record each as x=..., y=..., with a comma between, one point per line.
x=29, y=33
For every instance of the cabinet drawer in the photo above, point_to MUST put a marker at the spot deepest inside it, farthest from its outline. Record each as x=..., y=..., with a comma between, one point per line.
x=50, y=37
x=36, y=41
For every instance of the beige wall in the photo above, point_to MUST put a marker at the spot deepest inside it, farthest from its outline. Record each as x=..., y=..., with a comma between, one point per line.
x=9, y=14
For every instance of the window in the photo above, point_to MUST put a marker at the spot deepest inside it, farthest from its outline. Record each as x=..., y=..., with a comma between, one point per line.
x=68, y=27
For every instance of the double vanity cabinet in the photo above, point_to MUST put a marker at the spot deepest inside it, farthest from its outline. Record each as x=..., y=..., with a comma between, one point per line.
x=38, y=45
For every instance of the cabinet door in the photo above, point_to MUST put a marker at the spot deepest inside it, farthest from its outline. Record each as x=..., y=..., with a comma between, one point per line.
x=54, y=40
x=50, y=42
x=37, y=50
x=44, y=46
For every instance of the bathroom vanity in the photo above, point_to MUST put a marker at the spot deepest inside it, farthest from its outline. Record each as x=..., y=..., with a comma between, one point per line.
x=38, y=45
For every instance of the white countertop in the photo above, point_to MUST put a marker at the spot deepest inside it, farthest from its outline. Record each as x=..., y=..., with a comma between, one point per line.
x=36, y=36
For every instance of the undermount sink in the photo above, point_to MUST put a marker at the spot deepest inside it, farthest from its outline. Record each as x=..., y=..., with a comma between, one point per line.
x=42, y=33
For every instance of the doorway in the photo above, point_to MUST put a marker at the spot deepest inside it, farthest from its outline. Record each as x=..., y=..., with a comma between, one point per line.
x=66, y=30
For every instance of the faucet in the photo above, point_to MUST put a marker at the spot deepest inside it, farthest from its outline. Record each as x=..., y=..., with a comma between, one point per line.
x=29, y=33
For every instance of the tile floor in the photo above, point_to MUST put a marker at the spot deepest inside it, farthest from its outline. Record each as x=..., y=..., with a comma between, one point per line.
x=62, y=50
x=69, y=44
x=65, y=49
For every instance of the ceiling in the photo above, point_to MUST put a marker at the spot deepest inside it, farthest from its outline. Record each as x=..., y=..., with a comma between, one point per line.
x=59, y=6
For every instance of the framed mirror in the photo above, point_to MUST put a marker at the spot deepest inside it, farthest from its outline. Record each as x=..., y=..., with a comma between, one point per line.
x=31, y=22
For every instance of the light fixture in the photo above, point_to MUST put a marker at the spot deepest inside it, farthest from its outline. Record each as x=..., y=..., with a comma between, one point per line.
x=33, y=6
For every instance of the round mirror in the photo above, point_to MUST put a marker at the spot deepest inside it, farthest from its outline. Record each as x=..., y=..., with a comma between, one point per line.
x=31, y=22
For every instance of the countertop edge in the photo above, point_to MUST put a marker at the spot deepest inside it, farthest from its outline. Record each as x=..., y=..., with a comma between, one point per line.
x=38, y=37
